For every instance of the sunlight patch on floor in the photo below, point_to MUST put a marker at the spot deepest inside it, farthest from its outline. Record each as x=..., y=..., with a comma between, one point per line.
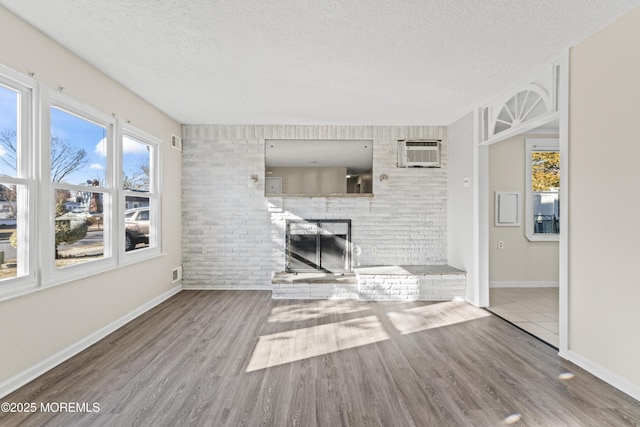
x=431, y=316
x=303, y=343
x=298, y=344
x=314, y=310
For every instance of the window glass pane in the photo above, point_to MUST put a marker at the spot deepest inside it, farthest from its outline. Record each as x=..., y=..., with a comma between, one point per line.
x=136, y=163
x=545, y=170
x=79, y=233
x=8, y=131
x=137, y=223
x=10, y=262
x=545, y=183
x=546, y=208
x=78, y=149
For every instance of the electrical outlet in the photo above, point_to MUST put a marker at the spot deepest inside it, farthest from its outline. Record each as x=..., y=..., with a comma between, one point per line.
x=374, y=249
x=500, y=244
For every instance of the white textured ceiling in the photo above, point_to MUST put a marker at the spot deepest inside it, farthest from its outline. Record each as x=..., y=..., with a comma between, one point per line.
x=375, y=62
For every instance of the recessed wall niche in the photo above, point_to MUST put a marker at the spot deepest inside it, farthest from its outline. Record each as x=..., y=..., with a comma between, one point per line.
x=318, y=167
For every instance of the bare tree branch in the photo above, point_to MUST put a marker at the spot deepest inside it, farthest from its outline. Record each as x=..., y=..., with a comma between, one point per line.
x=10, y=152
x=64, y=160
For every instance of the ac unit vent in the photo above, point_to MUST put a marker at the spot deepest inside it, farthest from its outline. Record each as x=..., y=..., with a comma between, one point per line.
x=176, y=142
x=419, y=153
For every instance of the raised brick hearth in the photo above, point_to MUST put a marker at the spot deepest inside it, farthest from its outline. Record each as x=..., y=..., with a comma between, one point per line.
x=394, y=282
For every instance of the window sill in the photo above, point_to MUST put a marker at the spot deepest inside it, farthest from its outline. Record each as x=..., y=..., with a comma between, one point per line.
x=544, y=238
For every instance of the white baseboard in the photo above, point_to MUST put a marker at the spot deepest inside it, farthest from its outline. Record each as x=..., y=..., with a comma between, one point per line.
x=225, y=288
x=604, y=374
x=22, y=378
x=524, y=284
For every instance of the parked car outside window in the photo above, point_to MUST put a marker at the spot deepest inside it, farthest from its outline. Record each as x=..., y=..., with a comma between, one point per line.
x=136, y=227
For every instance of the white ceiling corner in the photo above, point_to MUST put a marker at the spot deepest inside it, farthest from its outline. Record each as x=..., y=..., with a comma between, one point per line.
x=373, y=62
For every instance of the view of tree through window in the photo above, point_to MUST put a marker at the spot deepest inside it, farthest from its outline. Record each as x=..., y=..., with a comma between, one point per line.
x=136, y=165
x=136, y=172
x=78, y=164
x=545, y=185
x=545, y=170
x=78, y=193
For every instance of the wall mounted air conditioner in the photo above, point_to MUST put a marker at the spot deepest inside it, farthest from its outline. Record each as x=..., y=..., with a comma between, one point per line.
x=419, y=153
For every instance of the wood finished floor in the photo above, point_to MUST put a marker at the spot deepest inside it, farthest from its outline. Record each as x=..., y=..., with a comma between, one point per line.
x=235, y=358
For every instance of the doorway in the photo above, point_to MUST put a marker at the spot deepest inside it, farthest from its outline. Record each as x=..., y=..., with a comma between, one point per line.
x=523, y=235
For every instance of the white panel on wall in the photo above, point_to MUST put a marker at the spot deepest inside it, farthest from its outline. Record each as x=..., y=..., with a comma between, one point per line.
x=507, y=208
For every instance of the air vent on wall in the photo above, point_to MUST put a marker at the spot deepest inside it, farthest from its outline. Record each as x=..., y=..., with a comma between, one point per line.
x=424, y=153
x=176, y=142
x=176, y=274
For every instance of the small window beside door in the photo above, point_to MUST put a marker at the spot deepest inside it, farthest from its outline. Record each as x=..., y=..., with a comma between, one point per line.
x=543, y=189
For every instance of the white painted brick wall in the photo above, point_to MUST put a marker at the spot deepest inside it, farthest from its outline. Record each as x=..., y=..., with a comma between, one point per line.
x=234, y=236
x=437, y=287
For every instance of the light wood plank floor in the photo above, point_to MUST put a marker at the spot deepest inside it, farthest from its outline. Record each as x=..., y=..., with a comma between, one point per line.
x=237, y=358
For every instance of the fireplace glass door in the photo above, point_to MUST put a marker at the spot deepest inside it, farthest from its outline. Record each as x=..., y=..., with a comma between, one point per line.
x=318, y=245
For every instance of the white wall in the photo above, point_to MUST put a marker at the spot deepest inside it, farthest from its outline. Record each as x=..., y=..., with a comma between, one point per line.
x=604, y=148
x=521, y=262
x=234, y=235
x=36, y=326
x=462, y=229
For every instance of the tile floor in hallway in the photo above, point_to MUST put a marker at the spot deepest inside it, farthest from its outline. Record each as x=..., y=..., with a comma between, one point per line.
x=534, y=310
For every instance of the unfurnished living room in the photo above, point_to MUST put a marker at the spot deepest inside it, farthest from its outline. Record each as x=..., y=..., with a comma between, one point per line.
x=319, y=213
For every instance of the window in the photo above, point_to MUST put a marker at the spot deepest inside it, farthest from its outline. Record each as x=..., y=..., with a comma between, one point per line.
x=543, y=189
x=80, y=161
x=140, y=189
x=318, y=167
x=95, y=181
x=524, y=105
x=16, y=183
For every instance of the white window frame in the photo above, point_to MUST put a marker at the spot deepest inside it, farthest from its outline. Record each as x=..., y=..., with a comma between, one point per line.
x=27, y=279
x=155, y=215
x=52, y=99
x=37, y=206
x=531, y=145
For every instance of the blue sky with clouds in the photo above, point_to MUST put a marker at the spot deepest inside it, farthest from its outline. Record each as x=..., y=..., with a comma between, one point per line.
x=91, y=137
x=80, y=134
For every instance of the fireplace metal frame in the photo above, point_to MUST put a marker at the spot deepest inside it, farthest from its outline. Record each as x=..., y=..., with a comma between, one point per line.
x=318, y=263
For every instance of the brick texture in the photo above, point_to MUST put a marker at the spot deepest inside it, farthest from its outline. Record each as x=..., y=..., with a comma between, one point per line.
x=234, y=236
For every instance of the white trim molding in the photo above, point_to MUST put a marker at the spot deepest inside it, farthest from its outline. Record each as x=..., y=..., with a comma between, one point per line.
x=563, y=128
x=533, y=102
x=524, y=284
x=604, y=374
x=63, y=355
